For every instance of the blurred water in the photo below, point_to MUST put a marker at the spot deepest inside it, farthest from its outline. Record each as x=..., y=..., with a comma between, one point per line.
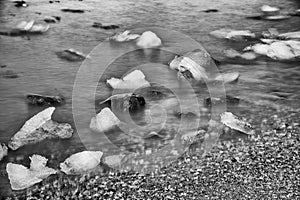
x=41, y=71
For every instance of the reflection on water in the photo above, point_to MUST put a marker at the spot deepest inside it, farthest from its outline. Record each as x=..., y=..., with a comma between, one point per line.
x=41, y=71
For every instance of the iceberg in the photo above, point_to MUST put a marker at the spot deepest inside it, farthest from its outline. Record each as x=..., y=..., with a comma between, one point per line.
x=104, y=121
x=233, y=122
x=148, y=40
x=133, y=80
x=38, y=128
x=232, y=34
x=21, y=177
x=124, y=37
x=81, y=162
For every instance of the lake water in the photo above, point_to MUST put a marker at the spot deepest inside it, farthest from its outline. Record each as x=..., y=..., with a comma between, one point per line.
x=41, y=71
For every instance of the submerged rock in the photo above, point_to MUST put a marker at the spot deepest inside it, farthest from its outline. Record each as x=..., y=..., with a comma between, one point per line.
x=38, y=128
x=3, y=151
x=154, y=134
x=51, y=19
x=58, y=18
x=296, y=13
x=127, y=102
x=21, y=3
x=228, y=99
x=105, y=26
x=104, y=121
x=8, y=74
x=210, y=10
x=133, y=80
x=21, y=177
x=81, y=162
x=37, y=99
x=232, y=34
x=71, y=55
x=72, y=10
x=124, y=37
x=233, y=122
x=148, y=40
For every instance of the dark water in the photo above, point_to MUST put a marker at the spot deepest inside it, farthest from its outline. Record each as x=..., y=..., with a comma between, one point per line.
x=41, y=71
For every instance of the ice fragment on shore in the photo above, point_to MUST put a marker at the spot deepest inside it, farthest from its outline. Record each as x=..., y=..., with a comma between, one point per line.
x=233, y=122
x=21, y=177
x=81, y=162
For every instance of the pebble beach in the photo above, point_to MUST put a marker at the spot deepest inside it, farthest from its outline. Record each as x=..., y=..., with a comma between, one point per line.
x=252, y=114
x=264, y=166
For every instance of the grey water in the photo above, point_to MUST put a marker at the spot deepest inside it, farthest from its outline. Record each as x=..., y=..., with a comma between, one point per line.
x=41, y=71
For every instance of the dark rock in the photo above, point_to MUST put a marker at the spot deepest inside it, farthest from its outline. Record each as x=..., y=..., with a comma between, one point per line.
x=255, y=17
x=3, y=66
x=297, y=14
x=154, y=134
x=132, y=102
x=8, y=74
x=217, y=62
x=50, y=1
x=211, y=10
x=12, y=33
x=136, y=102
x=154, y=93
x=72, y=10
x=71, y=55
x=190, y=115
x=187, y=74
x=105, y=27
x=58, y=18
x=50, y=20
x=37, y=99
x=19, y=4
x=229, y=100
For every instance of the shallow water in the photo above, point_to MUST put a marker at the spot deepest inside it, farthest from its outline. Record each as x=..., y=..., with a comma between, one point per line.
x=41, y=71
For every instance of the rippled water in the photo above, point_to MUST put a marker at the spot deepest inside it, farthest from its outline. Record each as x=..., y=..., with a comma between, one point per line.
x=41, y=71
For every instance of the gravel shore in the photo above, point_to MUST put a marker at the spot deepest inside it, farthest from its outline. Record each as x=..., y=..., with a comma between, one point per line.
x=264, y=166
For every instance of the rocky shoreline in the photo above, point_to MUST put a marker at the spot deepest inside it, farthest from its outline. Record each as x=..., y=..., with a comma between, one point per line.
x=265, y=166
